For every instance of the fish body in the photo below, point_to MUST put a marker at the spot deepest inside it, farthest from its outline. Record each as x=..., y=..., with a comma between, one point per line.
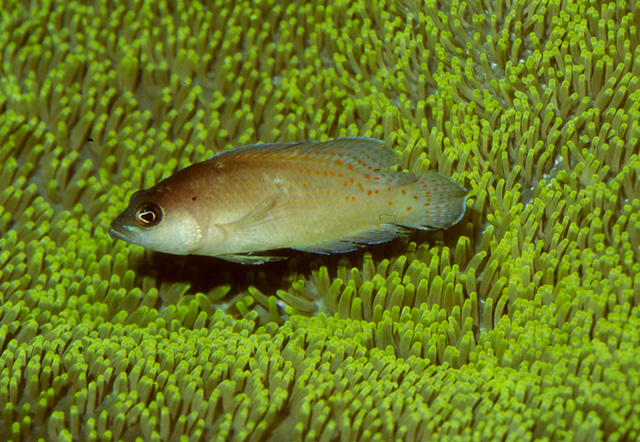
x=312, y=196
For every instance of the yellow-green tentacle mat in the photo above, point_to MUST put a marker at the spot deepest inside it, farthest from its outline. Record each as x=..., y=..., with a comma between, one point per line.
x=520, y=323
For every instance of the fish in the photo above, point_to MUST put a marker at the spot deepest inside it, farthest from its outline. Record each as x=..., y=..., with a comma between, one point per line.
x=321, y=197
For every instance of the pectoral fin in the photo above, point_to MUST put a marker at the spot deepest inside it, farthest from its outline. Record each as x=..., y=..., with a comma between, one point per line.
x=247, y=229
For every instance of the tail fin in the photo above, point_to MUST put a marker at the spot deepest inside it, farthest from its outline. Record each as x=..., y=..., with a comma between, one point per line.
x=434, y=201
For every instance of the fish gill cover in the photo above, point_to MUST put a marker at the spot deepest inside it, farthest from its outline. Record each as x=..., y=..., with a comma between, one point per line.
x=520, y=323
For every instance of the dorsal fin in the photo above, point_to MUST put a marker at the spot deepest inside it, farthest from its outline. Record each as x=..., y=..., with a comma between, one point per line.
x=365, y=153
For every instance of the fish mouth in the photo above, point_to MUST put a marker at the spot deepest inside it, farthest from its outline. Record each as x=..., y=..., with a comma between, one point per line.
x=118, y=235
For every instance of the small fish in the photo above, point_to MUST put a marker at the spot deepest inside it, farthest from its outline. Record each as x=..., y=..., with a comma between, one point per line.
x=317, y=197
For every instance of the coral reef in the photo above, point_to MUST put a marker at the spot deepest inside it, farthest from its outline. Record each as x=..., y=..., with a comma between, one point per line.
x=520, y=323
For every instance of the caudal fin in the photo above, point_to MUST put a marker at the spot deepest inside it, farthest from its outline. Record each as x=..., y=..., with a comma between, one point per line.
x=434, y=201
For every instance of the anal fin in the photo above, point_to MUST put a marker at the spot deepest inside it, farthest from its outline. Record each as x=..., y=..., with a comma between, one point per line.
x=250, y=259
x=371, y=235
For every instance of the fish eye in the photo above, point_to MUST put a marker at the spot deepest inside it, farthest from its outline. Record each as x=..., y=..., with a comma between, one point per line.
x=148, y=214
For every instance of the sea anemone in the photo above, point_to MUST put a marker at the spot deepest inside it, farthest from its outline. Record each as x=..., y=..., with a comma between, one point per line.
x=521, y=323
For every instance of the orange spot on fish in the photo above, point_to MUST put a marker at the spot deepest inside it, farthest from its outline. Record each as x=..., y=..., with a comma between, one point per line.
x=350, y=166
x=409, y=208
x=325, y=173
x=308, y=157
x=426, y=204
x=339, y=162
x=346, y=198
x=369, y=192
x=346, y=183
x=340, y=154
x=301, y=169
x=308, y=171
x=404, y=191
x=352, y=180
x=389, y=189
x=353, y=198
x=435, y=189
x=332, y=153
x=376, y=178
x=339, y=175
x=377, y=191
x=331, y=173
x=360, y=186
x=367, y=175
x=391, y=203
x=415, y=197
x=318, y=172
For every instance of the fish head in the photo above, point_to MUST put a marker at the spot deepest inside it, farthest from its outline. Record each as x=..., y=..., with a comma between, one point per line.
x=157, y=219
